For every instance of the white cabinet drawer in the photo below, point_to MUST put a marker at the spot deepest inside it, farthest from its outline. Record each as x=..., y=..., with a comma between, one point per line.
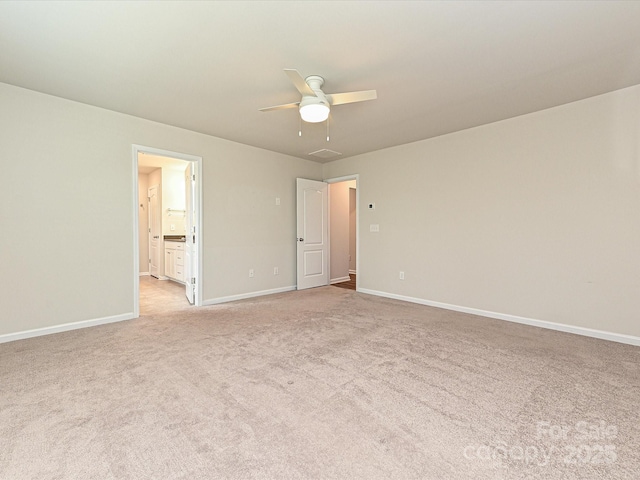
x=174, y=245
x=179, y=273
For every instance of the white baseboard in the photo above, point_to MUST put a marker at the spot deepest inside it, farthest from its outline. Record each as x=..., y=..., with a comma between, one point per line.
x=143, y=274
x=339, y=280
x=352, y=272
x=37, y=332
x=588, y=332
x=242, y=296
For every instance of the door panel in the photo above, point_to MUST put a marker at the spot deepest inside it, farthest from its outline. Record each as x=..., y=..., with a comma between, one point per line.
x=312, y=241
x=314, y=210
x=313, y=262
x=155, y=228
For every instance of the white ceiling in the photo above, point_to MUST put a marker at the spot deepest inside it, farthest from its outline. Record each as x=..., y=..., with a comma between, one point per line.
x=438, y=67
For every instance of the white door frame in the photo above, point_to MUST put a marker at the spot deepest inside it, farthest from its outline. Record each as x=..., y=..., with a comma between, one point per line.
x=346, y=178
x=136, y=149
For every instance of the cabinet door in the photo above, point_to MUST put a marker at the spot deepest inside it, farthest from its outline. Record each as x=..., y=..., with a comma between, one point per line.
x=179, y=273
x=169, y=263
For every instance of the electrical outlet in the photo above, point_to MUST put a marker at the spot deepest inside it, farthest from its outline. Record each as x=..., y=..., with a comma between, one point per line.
x=374, y=227
x=173, y=227
x=401, y=275
x=277, y=200
x=276, y=271
x=251, y=273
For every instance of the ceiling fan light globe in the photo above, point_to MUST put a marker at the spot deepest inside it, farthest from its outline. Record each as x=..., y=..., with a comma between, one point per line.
x=314, y=112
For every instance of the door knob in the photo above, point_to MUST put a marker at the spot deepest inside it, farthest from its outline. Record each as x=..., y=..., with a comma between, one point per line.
x=301, y=239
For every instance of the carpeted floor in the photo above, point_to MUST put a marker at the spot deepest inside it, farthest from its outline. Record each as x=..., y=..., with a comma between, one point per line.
x=318, y=384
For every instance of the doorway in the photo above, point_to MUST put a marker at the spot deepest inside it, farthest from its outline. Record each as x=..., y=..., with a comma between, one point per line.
x=343, y=232
x=177, y=224
x=321, y=258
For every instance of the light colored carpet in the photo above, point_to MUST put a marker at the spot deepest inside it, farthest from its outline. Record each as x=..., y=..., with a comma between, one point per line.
x=319, y=384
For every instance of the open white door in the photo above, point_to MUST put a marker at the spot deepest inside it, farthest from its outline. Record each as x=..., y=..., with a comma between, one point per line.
x=313, y=239
x=155, y=229
x=190, y=252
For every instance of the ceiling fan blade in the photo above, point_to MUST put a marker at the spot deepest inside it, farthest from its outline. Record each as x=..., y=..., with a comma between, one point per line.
x=351, y=97
x=298, y=81
x=280, y=107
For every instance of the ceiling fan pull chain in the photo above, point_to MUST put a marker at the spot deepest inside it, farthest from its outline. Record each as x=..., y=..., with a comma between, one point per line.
x=300, y=127
x=328, y=127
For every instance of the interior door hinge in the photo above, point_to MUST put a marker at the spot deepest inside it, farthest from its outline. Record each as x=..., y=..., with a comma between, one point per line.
x=193, y=280
x=193, y=177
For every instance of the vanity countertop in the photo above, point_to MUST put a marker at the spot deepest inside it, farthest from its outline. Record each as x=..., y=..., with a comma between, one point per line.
x=174, y=238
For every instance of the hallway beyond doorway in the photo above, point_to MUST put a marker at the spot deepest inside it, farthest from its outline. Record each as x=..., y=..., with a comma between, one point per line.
x=349, y=284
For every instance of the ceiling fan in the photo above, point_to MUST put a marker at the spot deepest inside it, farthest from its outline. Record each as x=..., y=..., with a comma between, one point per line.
x=315, y=104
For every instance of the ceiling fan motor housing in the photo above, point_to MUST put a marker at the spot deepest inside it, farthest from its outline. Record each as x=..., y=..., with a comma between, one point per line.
x=314, y=109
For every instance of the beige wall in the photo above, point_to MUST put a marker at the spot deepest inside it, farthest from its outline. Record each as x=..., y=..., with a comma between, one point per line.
x=537, y=216
x=80, y=266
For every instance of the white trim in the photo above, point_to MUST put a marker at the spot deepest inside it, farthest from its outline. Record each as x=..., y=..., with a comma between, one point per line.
x=143, y=274
x=136, y=149
x=588, y=332
x=242, y=296
x=65, y=327
x=339, y=280
x=353, y=272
